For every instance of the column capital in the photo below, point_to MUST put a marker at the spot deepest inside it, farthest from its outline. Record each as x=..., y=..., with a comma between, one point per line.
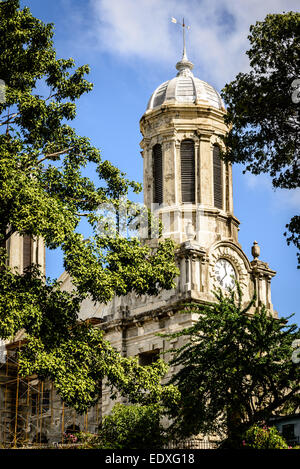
x=261, y=269
x=144, y=144
x=191, y=249
x=205, y=136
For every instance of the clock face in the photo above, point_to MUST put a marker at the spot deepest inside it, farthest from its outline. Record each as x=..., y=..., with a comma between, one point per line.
x=225, y=274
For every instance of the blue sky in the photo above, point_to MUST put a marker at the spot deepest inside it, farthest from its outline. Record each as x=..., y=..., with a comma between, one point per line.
x=132, y=47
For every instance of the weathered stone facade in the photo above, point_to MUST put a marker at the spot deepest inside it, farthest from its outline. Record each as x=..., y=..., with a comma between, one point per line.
x=182, y=109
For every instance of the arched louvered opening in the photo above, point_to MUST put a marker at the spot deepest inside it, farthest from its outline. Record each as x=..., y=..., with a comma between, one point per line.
x=157, y=174
x=187, y=159
x=218, y=184
x=27, y=251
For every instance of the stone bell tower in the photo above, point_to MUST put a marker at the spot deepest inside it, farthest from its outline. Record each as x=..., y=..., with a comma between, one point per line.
x=25, y=250
x=184, y=178
x=189, y=188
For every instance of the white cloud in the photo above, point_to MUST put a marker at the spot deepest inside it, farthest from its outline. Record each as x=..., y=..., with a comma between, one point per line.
x=288, y=198
x=281, y=198
x=131, y=27
x=216, y=42
x=258, y=181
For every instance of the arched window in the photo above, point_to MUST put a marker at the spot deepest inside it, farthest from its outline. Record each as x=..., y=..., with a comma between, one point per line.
x=187, y=158
x=27, y=251
x=218, y=185
x=157, y=174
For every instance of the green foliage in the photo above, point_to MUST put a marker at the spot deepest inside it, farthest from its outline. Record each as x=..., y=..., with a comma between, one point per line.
x=235, y=369
x=44, y=194
x=132, y=427
x=41, y=185
x=264, y=117
x=258, y=437
x=294, y=228
x=78, y=364
x=126, y=427
x=41, y=309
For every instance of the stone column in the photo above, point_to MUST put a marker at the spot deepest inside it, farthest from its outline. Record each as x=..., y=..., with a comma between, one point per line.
x=16, y=251
x=178, y=229
x=197, y=172
x=268, y=291
x=182, y=274
x=195, y=284
x=187, y=285
x=206, y=170
x=203, y=264
x=147, y=172
x=169, y=180
x=230, y=190
x=178, y=171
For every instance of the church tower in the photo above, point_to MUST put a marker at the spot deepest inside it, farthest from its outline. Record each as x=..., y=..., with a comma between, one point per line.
x=184, y=177
x=189, y=188
x=25, y=250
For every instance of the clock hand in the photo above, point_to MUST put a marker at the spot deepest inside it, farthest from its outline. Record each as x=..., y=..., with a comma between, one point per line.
x=223, y=278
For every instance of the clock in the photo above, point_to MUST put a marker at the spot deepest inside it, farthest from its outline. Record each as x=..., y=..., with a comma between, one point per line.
x=225, y=274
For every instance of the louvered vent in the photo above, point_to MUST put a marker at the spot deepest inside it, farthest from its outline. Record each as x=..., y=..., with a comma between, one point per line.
x=27, y=246
x=185, y=91
x=218, y=186
x=157, y=175
x=160, y=94
x=187, y=158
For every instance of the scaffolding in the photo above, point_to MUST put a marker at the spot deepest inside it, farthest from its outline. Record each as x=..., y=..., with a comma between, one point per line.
x=29, y=411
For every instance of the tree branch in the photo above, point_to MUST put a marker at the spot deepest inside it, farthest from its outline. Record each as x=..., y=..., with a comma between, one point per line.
x=274, y=405
x=49, y=155
x=8, y=120
x=82, y=214
x=8, y=235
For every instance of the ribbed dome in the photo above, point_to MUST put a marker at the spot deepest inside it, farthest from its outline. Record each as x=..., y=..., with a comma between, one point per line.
x=185, y=88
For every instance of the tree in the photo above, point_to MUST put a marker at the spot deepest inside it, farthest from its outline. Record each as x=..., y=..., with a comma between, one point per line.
x=263, y=107
x=79, y=362
x=235, y=369
x=132, y=427
x=44, y=194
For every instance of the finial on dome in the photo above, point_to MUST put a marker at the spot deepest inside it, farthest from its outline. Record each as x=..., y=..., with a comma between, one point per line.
x=184, y=56
x=184, y=66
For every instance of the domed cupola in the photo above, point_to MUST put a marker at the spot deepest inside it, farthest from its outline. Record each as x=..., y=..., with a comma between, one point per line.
x=185, y=88
x=185, y=181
